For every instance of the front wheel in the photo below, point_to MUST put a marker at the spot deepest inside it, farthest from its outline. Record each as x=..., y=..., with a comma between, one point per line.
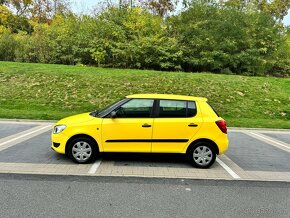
x=201, y=155
x=82, y=150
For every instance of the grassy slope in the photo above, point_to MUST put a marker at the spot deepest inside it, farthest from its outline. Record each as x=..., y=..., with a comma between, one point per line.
x=40, y=91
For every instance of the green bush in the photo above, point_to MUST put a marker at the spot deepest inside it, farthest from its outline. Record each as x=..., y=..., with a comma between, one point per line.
x=202, y=38
x=7, y=46
x=219, y=40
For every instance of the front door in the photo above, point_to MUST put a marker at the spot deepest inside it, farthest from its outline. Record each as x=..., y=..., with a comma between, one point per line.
x=131, y=129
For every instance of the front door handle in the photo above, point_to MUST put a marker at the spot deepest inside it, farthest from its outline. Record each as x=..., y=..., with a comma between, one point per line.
x=146, y=125
x=192, y=125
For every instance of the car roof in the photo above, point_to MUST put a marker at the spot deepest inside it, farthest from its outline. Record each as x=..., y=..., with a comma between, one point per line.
x=167, y=96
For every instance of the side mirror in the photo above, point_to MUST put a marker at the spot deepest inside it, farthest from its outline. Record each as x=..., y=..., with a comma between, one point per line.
x=113, y=114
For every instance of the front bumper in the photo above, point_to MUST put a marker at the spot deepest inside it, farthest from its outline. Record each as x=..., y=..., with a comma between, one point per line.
x=59, y=142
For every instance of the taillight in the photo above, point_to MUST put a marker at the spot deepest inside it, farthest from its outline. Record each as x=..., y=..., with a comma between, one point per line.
x=222, y=125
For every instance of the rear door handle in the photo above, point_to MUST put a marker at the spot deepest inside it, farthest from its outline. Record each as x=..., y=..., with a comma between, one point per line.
x=192, y=125
x=146, y=125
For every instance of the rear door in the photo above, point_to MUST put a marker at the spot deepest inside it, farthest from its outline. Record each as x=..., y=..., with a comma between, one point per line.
x=176, y=123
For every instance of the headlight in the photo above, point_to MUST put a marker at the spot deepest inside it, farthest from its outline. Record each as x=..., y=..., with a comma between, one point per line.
x=59, y=128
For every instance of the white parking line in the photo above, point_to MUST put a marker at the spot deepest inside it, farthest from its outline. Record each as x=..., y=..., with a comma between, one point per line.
x=260, y=130
x=270, y=141
x=228, y=169
x=94, y=167
x=24, y=135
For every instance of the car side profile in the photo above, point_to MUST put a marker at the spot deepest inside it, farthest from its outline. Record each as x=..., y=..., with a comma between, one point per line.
x=146, y=123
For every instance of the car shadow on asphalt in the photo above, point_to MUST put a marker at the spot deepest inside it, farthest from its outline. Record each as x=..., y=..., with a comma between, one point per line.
x=134, y=159
x=147, y=160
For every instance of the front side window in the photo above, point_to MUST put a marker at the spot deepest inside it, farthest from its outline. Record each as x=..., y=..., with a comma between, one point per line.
x=136, y=108
x=175, y=108
x=109, y=108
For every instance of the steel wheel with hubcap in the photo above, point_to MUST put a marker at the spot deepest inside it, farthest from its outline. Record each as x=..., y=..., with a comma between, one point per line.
x=201, y=155
x=82, y=150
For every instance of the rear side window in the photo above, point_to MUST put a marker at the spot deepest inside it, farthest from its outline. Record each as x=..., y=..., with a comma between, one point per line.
x=174, y=108
x=191, y=109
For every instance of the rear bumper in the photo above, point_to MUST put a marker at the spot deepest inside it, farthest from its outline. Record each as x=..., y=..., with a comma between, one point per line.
x=222, y=143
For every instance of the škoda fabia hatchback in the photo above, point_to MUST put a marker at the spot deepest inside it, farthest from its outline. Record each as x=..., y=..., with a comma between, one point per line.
x=147, y=123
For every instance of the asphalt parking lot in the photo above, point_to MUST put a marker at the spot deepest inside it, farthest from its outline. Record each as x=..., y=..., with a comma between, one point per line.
x=254, y=154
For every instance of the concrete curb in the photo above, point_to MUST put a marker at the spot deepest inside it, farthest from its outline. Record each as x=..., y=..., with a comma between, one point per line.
x=151, y=179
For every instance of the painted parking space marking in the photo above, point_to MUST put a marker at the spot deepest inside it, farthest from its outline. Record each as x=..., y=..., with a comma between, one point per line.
x=95, y=167
x=284, y=138
x=9, y=129
x=228, y=169
x=260, y=130
x=285, y=132
x=237, y=164
x=269, y=140
x=22, y=136
x=21, y=122
x=26, y=134
x=253, y=154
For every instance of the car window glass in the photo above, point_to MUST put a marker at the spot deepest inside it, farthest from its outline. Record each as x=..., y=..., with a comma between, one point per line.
x=171, y=108
x=191, y=109
x=109, y=108
x=138, y=108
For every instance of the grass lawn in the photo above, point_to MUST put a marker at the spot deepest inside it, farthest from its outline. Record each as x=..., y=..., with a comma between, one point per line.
x=42, y=91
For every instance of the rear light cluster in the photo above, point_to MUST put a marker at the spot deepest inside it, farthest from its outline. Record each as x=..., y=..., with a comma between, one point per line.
x=222, y=125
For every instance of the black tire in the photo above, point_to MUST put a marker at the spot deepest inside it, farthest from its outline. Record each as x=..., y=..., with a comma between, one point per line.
x=204, y=162
x=85, y=143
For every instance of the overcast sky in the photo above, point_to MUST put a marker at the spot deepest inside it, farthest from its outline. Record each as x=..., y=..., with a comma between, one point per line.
x=85, y=6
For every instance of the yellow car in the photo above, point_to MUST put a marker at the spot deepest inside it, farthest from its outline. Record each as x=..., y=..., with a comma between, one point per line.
x=147, y=123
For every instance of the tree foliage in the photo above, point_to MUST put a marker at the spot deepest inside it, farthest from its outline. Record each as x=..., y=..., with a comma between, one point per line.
x=159, y=7
x=206, y=36
x=277, y=8
x=219, y=40
x=11, y=22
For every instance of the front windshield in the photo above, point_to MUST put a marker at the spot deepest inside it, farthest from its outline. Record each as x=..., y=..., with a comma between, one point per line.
x=107, y=109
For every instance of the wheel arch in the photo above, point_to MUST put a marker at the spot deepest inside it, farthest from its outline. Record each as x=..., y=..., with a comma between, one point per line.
x=204, y=140
x=79, y=136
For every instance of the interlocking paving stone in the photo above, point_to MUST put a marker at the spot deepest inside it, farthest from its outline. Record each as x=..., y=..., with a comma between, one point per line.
x=254, y=155
x=7, y=129
x=34, y=150
x=281, y=137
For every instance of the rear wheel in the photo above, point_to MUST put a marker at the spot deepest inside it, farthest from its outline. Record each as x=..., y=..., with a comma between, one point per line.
x=82, y=150
x=201, y=155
